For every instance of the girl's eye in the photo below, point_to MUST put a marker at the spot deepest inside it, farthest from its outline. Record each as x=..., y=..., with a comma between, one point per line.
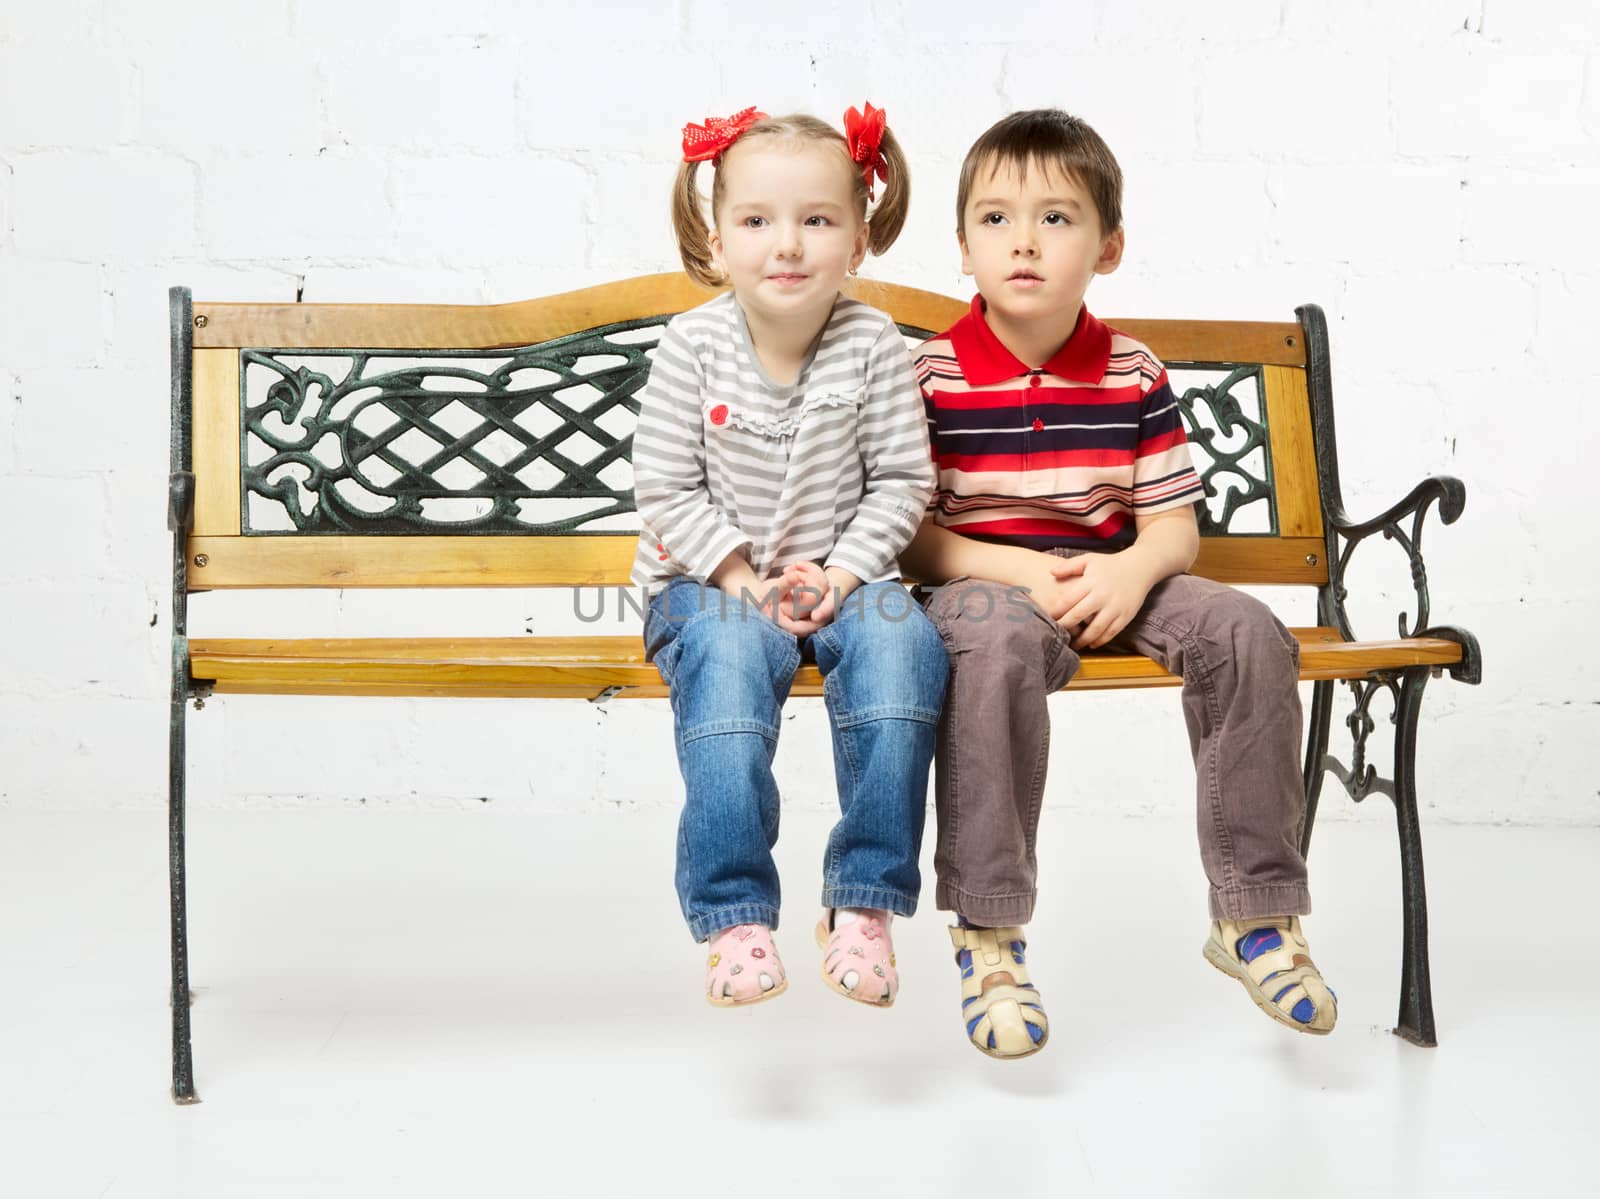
x=816, y=222
x=754, y=222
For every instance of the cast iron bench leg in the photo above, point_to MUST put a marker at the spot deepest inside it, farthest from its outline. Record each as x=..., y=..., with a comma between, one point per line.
x=1416, y=987
x=1316, y=747
x=182, y=1060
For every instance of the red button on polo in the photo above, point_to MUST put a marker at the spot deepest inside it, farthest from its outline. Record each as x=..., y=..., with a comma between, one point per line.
x=1038, y=425
x=1033, y=380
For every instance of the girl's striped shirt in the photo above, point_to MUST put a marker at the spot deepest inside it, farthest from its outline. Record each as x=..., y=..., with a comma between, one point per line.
x=834, y=468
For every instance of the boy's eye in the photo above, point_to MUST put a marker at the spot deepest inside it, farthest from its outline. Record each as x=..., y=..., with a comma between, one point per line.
x=1056, y=218
x=992, y=218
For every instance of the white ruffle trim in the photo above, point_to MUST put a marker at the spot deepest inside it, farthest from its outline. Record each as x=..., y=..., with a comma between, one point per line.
x=788, y=426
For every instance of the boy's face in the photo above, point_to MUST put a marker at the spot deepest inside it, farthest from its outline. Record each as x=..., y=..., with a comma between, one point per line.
x=1032, y=245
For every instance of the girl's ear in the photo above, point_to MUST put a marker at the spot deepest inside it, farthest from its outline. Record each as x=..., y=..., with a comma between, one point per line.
x=858, y=252
x=714, y=244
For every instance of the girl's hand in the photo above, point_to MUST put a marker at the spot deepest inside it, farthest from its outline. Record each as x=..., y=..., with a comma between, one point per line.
x=1109, y=590
x=807, y=604
x=734, y=577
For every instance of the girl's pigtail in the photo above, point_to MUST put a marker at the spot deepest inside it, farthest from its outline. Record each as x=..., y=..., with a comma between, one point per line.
x=886, y=221
x=689, y=223
x=703, y=143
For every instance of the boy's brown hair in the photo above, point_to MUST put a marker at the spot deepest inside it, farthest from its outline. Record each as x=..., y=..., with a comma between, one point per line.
x=1048, y=139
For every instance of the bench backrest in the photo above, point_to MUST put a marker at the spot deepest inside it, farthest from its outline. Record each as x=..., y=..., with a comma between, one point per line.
x=387, y=445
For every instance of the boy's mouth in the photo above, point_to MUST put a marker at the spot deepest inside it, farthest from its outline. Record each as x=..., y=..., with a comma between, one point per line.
x=1024, y=276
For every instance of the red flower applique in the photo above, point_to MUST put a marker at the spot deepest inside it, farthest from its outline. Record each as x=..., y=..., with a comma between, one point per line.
x=719, y=414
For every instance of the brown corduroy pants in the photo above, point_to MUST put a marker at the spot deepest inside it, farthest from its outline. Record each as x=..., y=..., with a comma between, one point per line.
x=1240, y=668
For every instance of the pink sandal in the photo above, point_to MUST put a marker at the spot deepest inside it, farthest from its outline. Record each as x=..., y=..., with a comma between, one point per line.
x=861, y=948
x=740, y=958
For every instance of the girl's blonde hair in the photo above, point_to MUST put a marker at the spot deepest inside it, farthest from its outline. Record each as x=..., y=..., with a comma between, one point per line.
x=883, y=226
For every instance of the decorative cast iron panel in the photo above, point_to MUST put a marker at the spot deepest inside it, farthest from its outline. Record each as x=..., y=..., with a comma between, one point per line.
x=539, y=439
x=1224, y=415
x=529, y=440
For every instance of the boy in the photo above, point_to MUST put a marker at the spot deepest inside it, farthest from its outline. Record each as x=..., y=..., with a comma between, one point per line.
x=1064, y=520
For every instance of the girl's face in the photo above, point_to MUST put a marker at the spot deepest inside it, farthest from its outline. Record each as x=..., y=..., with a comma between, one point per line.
x=787, y=231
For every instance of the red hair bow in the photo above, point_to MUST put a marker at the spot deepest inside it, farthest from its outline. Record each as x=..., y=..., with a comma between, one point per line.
x=706, y=142
x=863, y=134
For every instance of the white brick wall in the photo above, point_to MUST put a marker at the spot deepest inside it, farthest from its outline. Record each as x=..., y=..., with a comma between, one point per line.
x=420, y=97
x=80, y=206
x=1428, y=172
x=50, y=314
x=42, y=107
x=1332, y=105
x=197, y=95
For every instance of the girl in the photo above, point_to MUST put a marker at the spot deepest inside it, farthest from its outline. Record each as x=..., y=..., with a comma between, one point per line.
x=781, y=463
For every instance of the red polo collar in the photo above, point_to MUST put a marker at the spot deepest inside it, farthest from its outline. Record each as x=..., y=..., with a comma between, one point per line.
x=984, y=358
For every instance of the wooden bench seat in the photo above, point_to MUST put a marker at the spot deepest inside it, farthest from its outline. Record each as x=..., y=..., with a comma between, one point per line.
x=603, y=667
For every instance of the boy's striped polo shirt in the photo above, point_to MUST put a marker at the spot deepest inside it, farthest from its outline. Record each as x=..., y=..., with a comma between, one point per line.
x=1059, y=456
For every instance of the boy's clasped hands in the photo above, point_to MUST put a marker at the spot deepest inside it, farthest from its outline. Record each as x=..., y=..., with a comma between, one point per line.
x=1092, y=596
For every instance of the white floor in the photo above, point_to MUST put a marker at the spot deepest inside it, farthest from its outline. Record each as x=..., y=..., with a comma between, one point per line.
x=488, y=1003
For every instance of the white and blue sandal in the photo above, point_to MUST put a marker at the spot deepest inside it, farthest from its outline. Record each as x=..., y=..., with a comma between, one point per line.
x=999, y=1003
x=1270, y=958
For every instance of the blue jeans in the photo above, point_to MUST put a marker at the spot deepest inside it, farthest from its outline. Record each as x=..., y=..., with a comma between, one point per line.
x=730, y=669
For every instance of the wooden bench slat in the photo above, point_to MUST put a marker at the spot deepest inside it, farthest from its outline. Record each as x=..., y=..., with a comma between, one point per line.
x=528, y=322
x=595, y=561
x=216, y=443
x=1294, y=454
x=584, y=667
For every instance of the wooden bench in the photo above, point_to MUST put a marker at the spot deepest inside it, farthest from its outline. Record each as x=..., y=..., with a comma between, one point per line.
x=345, y=445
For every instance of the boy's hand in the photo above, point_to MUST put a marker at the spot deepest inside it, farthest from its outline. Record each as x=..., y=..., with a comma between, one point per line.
x=1053, y=592
x=1108, y=591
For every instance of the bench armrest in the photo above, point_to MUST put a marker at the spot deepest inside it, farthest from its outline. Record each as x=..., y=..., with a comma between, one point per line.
x=1401, y=523
x=1450, y=492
